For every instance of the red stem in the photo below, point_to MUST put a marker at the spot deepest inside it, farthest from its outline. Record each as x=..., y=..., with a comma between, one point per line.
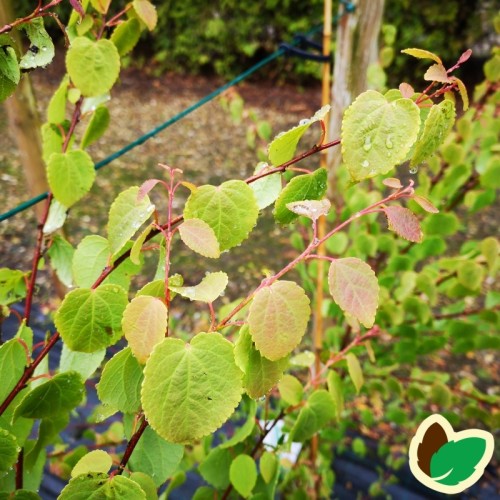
x=109, y=269
x=38, y=12
x=36, y=260
x=131, y=446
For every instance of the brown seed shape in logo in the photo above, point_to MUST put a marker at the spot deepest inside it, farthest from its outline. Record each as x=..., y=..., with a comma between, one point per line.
x=433, y=439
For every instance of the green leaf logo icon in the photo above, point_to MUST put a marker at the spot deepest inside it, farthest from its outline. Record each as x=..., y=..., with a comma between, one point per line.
x=448, y=461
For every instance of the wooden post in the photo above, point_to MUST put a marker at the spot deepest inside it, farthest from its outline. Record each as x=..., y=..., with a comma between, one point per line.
x=24, y=124
x=318, y=317
x=356, y=48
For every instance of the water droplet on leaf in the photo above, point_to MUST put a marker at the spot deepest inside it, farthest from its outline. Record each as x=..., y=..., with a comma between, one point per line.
x=365, y=164
x=388, y=142
x=368, y=143
x=413, y=170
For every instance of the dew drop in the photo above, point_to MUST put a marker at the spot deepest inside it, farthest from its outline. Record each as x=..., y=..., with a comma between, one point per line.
x=388, y=142
x=389, y=155
x=365, y=164
x=413, y=170
x=368, y=143
x=44, y=49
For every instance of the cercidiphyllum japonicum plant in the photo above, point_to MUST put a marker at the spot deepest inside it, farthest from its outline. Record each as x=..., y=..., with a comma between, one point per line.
x=174, y=393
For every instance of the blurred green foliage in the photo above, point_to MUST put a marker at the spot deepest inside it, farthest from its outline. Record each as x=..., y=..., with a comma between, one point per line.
x=227, y=36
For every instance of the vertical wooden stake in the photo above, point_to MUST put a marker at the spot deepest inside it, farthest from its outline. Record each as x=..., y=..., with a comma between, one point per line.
x=318, y=317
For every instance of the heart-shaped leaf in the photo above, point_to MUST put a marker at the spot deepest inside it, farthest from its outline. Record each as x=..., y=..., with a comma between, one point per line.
x=229, y=209
x=377, y=134
x=278, y=318
x=190, y=390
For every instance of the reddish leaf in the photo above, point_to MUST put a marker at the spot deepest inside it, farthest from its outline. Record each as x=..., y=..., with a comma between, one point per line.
x=354, y=287
x=403, y=222
x=406, y=90
x=146, y=187
x=437, y=73
x=392, y=183
x=465, y=56
x=77, y=6
x=425, y=204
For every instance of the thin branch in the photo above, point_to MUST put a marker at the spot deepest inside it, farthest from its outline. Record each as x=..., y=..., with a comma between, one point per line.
x=256, y=448
x=38, y=12
x=109, y=269
x=36, y=261
x=131, y=446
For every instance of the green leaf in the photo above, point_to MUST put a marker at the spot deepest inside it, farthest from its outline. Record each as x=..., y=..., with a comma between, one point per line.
x=12, y=286
x=208, y=290
x=52, y=141
x=283, y=146
x=377, y=134
x=470, y=274
x=267, y=189
x=81, y=362
x=100, y=486
x=146, y=12
x=268, y=465
x=41, y=50
x=144, y=325
x=120, y=384
x=200, y=238
x=215, y=468
x=126, y=35
x=355, y=371
x=404, y=223
x=97, y=126
x=101, y=6
x=291, y=390
x=146, y=483
x=437, y=126
x=93, y=66
x=94, y=461
x=126, y=215
x=300, y=188
x=243, y=431
x=335, y=388
x=260, y=374
x=20, y=495
x=90, y=258
x=422, y=54
x=61, y=393
x=8, y=450
x=229, y=209
x=278, y=318
x=12, y=363
x=9, y=72
x=56, y=110
x=354, y=287
x=89, y=320
x=70, y=176
x=61, y=256
x=457, y=460
x=190, y=390
x=156, y=457
x=135, y=251
x=243, y=474
x=312, y=209
x=490, y=248
x=317, y=412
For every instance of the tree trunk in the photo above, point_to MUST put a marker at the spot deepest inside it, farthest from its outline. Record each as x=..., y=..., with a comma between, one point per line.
x=24, y=124
x=356, y=48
